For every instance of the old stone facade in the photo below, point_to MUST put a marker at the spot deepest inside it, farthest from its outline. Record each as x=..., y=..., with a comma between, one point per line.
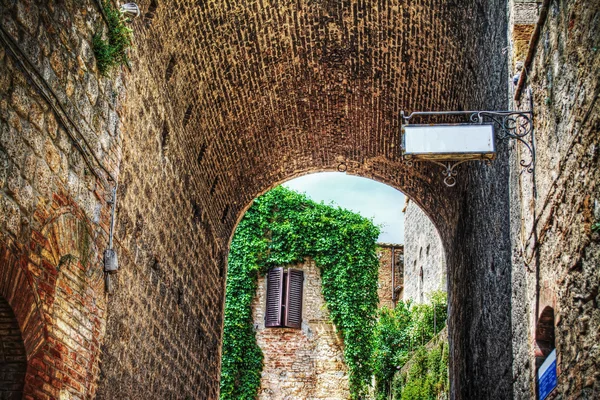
x=305, y=363
x=425, y=264
x=225, y=100
x=555, y=248
x=60, y=144
x=309, y=363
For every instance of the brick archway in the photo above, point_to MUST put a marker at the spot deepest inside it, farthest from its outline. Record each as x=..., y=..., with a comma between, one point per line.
x=13, y=358
x=258, y=93
x=16, y=288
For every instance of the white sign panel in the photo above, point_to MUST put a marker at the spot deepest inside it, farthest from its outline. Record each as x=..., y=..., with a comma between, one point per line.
x=449, y=142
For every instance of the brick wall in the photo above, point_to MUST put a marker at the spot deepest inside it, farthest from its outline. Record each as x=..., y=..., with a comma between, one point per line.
x=309, y=363
x=227, y=101
x=13, y=359
x=305, y=363
x=425, y=264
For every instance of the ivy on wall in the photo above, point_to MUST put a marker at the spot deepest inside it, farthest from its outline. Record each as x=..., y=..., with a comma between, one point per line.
x=400, y=337
x=284, y=227
x=112, y=52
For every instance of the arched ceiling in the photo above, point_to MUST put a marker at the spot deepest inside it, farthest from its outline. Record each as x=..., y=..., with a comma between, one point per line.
x=261, y=91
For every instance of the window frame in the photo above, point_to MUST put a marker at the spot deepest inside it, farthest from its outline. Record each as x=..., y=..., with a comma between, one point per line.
x=284, y=298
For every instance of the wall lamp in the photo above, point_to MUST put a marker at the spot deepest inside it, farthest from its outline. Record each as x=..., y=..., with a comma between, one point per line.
x=130, y=10
x=450, y=145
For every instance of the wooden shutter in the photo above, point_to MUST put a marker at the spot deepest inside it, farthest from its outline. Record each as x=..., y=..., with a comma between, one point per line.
x=293, y=301
x=274, y=294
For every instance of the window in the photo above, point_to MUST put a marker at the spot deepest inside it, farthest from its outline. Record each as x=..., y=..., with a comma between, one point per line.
x=284, y=298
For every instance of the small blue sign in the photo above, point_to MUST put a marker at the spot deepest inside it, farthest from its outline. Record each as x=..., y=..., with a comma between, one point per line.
x=547, y=376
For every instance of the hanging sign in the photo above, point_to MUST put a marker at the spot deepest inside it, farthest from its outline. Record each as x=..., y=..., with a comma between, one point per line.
x=449, y=142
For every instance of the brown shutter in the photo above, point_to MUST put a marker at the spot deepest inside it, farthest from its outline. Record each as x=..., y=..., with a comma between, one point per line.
x=293, y=301
x=274, y=293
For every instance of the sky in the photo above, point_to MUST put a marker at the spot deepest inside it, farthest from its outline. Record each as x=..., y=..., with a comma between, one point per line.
x=367, y=197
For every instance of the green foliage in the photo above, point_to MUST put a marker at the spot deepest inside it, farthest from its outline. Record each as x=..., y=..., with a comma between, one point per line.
x=283, y=227
x=112, y=52
x=427, y=377
x=401, y=331
x=596, y=227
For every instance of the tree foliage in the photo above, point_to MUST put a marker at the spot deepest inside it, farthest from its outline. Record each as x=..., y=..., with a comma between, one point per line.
x=284, y=227
x=400, y=335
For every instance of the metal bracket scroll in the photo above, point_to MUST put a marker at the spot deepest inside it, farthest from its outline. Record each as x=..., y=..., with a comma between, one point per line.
x=512, y=125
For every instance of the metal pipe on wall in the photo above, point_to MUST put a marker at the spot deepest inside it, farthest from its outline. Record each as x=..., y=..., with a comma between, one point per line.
x=394, y=276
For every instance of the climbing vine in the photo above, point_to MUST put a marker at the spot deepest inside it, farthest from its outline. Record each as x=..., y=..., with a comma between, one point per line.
x=284, y=227
x=427, y=375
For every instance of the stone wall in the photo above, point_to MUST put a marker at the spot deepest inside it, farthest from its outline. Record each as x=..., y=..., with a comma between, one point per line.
x=309, y=363
x=305, y=363
x=555, y=249
x=386, y=283
x=425, y=264
x=60, y=142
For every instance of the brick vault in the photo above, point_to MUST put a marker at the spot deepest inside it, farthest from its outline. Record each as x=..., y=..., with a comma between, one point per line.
x=222, y=101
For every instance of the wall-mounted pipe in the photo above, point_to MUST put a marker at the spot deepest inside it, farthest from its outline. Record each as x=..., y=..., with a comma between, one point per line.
x=111, y=262
x=394, y=276
x=535, y=37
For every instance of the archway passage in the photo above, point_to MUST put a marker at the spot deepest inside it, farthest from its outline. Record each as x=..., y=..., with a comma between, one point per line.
x=262, y=92
x=13, y=359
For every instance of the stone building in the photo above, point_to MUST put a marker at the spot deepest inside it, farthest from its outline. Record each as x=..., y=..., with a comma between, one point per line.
x=225, y=100
x=424, y=261
x=308, y=363
x=391, y=273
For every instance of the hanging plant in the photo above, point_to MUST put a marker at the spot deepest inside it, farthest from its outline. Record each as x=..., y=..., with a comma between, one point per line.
x=284, y=227
x=112, y=51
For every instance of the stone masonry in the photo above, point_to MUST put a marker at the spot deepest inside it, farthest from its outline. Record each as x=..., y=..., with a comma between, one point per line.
x=60, y=141
x=309, y=363
x=556, y=251
x=306, y=363
x=425, y=264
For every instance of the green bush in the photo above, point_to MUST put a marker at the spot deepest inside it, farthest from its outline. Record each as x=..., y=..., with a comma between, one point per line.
x=427, y=377
x=283, y=227
x=112, y=52
x=399, y=336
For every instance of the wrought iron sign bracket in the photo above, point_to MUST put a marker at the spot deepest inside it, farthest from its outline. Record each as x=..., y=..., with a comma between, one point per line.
x=510, y=125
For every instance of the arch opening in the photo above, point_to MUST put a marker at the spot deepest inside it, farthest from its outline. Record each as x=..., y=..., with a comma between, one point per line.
x=286, y=346
x=13, y=357
x=544, y=336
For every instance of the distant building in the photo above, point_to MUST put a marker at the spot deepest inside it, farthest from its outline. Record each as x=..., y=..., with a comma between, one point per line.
x=424, y=259
x=391, y=273
x=303, y=358
x=306, y=360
